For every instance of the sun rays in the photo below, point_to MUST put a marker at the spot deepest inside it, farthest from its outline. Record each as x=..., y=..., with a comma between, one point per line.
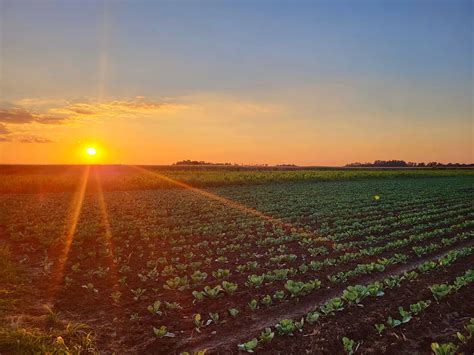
x=225, y=201
x=71, y=226
x=70, y=230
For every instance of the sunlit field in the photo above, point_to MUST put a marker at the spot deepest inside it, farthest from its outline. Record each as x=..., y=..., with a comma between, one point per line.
x=193, y=260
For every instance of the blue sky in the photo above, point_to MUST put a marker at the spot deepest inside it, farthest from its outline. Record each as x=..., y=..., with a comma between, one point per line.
x=370, y=66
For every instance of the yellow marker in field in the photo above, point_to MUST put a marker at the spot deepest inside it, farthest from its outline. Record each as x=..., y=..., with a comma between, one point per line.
x=376, y=197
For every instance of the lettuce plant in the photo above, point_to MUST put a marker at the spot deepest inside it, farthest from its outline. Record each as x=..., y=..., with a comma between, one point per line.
x=350, y=347
x=267, y=335
x=440, y=290
x=267, y=300
x=154, y=308
x=393, y=281
x=172, y=305
x=198, y=276
x=379, y=328
x=406, y=315
x=162, y=332
x=355, y=294
x=427, y=266
x=279, y=295
x=470, y=327
x=214, y=317
x=288, y=326
x=253, y=305
x=233, y=312
x=296, y=288
x=312, y=317
x=255, y=280
x=411, y=275
x=177, y=283
x=229, y=287
x=221, y=273
x=375, y=289
x=199, y=323
x=248, y=346
x=393, y=322
x=444, y=349
x=213, y=292
x=198, y=296
x=269, y=276
x=419, y=307
x=334, y=304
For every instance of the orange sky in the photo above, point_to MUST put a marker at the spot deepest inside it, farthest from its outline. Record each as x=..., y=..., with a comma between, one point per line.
x=145, y=89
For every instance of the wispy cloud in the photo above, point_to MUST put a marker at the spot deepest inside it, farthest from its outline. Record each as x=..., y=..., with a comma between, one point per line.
x=18, y=115
x=32, y=139
x=22, y=118
x=3, y=129
x=137, y=107
x=27, y=113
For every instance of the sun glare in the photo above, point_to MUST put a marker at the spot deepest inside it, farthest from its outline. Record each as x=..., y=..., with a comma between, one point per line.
x=91, y=151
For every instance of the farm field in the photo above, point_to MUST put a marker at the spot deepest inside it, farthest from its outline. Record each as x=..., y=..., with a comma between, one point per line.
x=227, y=260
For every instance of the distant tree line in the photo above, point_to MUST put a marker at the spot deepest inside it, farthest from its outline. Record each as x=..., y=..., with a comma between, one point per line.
x=199, y=162
x=404, y=164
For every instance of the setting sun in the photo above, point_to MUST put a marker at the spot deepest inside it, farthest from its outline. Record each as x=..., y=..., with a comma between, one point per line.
x=226, y=188
x=91, y=151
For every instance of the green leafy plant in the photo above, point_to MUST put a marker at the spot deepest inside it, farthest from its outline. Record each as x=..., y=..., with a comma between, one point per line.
x=440, y=290
x=177, y=283
x=406, y=315
x=214, y=317
x=419, y=307
x=355, y=294
x=213, y=292
x=162, y=332
x=199, y=323
x=267, y=300
x=221, y=273
x=393, y=322
x=444, y=349
x=350, y=346
x=253, y=305
x=198, y=295
x=172, y=305
x=312, y=317
x=229, y=287
x=233, y=312
x=198, y=276
x=375, y=289
x=255, y=280
x=279, y=295
x=116, y=295
x=288, y=326
x=267, y=335
x=411, y=275
x=392, y=281
x=249, y=346
x=154, y=308
x=334, y=304
x=379, y=328
x=427, y=266
x=470, y=327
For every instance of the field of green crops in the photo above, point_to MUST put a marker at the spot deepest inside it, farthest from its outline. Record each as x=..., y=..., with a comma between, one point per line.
x=226, y=260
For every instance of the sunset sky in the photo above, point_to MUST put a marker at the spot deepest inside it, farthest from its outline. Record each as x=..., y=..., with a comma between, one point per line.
x=304, y=82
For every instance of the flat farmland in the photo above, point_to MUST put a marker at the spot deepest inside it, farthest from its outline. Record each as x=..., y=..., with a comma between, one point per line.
x=206, y=260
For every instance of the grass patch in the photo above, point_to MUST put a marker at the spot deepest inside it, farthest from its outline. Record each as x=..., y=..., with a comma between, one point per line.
x=73, y=339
